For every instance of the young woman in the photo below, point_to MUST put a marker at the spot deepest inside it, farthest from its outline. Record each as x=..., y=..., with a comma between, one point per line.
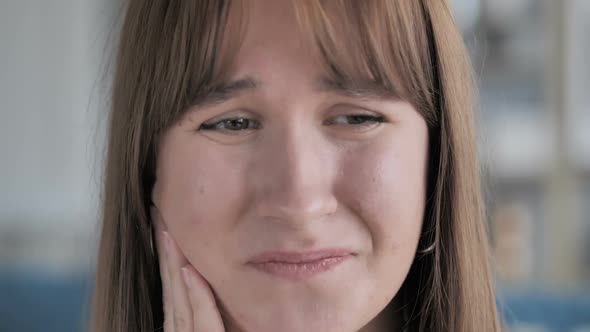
x=279, y=165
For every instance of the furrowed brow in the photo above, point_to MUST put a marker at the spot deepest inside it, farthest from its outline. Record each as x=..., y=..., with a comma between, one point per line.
x=224, y=92
x=362, y=90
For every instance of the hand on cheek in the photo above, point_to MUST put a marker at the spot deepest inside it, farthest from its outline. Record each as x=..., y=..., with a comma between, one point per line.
x=189, y=305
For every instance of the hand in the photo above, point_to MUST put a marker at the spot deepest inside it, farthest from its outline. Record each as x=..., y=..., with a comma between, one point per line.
x=189, y=305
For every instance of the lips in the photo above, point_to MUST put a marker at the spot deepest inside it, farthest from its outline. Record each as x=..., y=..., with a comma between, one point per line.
x=299, y=265
x=299, y=257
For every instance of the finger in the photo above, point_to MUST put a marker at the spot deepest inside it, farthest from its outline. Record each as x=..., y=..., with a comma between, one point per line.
x=164, y=275
x=182, y=314
x=206, y=316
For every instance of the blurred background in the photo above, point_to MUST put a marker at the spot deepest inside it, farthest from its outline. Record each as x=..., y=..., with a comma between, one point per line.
x=531, y=61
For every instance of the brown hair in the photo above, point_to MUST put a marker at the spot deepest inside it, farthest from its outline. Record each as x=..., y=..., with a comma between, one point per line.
x=169, y=54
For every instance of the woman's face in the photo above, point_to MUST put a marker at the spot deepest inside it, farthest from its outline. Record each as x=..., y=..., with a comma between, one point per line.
x=304, y=168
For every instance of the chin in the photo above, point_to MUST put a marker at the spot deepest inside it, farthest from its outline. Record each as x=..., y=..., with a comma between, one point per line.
x=302, y=325
x=309, y=319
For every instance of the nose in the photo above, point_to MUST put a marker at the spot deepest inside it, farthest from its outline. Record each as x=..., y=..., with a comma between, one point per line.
x=295, y=178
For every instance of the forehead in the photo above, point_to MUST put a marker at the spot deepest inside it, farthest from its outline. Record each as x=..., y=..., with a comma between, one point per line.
x=270, y=40
x=265, y=50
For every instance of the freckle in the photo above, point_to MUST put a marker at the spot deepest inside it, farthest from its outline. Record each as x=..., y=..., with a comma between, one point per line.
x=201, y=190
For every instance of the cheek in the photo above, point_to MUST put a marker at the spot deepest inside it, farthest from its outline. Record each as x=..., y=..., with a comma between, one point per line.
x=386, y=185
x=200, y=197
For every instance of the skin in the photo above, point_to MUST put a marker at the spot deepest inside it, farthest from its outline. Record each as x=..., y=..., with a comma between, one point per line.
x=307, y=177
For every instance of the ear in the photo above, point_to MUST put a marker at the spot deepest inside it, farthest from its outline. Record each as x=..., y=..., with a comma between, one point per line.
x=155, y=193
x=156, y=218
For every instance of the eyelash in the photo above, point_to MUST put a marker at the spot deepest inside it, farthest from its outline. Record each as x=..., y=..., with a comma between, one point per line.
x=367, y=120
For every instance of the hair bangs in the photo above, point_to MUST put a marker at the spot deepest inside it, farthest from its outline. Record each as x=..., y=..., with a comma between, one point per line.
x=379, y=44
x=191, y=54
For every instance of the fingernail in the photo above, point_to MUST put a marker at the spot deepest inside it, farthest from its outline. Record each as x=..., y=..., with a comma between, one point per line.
x=187, y=277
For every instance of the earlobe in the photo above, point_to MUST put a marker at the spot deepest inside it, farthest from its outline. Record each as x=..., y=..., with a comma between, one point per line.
x=153, y=208
x=156, y=218
x=154, y=194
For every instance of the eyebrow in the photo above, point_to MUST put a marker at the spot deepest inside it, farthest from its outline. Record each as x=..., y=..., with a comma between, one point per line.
x=226, y=91
x=353, y=89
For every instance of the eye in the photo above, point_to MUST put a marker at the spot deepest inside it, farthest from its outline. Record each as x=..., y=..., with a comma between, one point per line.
x=230, y=125
x=236, y=125
x=358, y=120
